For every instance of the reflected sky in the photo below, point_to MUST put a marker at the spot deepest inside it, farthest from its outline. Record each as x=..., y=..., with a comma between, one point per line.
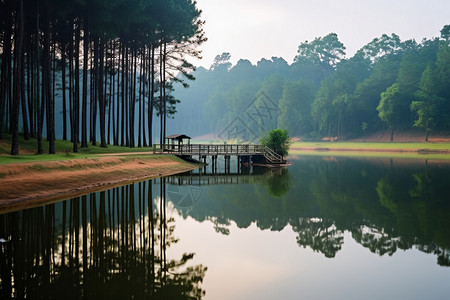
x=261, y=264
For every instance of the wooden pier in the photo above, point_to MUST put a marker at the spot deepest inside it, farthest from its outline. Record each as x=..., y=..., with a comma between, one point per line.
x=244, y=152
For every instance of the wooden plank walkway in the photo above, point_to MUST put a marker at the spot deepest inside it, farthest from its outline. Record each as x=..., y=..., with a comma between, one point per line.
x=203, y=150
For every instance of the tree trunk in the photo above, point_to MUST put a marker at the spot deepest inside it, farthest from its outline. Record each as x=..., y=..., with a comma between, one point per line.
x=84, y=140
x=339, y=127
x=151, y=99
x=63, y=87
x=122, y=89
x=164, y=90
x=71, y=80
x=17, y=80
x=392, y=134
x=144, y=78
x=47, y=86
x=329, y=131
x=5, y=80
x=110, y=75
x=113, y=102
x=76, y=94
x=93, y=98
x=133, y=98
x=30, y=89
x=37, y=92
x=101, y=98
x=26, y=132
x=161, y=118
x=127, y=97
x=141, y=76
x=53, y=89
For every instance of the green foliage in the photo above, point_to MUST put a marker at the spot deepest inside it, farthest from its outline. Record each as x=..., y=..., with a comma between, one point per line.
x=426, y=105
x=322, y=93
x=333, y=103
x=364, y=126
x=277, y=140
x=387, y=109
x=367, y=93
x=222, y=61
x=295, y=107
x=445, y=32
x=324, y=53
x=383, y=46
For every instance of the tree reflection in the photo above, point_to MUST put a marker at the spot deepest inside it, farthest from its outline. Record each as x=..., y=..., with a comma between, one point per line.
x=376, y=241
x=385, y=204
x=109, y=245
x=320, y=235
x=444, y=258
x=277, y=182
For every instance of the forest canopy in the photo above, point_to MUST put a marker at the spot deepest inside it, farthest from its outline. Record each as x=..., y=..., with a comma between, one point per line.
x=388, y=84
x=93, y=67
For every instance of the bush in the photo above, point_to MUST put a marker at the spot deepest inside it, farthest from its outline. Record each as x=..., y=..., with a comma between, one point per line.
x=278, y=140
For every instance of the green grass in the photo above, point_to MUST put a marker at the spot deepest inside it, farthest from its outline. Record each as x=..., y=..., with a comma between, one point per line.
x=63, y=150
x=371, y=154
x=394, y=150
x=368, y=146
x=4, y=159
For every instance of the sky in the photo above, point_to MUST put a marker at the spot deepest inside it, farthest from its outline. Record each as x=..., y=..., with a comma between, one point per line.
x=255, y=29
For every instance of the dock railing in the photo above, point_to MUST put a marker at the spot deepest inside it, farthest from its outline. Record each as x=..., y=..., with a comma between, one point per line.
x=222, y=149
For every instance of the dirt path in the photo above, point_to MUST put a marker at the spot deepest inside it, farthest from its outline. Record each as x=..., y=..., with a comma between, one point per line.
x=25, y=185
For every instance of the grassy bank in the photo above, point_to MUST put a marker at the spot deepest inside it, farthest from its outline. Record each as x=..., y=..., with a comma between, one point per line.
x=371, y=146
x=415, y=150
x=63, y=149
x=28, y=180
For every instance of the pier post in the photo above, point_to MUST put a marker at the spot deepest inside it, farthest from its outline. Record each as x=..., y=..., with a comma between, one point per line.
x=227, y=163
x=214, y=163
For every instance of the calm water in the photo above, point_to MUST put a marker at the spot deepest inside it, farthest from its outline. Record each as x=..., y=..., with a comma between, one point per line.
x=324, y=228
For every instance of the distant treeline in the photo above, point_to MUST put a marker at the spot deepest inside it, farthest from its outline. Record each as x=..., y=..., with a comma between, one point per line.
x=106, y=66
x=387, y=84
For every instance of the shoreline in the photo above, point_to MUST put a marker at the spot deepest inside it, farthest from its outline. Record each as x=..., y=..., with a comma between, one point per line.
x=419, y=151
x=31, y=184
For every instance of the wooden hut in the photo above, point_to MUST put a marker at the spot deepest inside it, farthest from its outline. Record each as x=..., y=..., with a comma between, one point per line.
x=174, y=142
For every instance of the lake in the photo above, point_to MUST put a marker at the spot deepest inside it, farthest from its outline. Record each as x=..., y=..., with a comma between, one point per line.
x=324, y=228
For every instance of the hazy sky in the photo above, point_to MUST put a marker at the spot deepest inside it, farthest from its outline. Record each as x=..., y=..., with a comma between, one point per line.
x=255, y=29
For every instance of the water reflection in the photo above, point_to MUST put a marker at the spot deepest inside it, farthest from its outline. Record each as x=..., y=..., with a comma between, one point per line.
x=114, y=244
x=107, y=245
x=385, y=204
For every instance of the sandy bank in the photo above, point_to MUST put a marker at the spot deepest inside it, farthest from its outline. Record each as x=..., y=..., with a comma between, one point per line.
x=26, y=185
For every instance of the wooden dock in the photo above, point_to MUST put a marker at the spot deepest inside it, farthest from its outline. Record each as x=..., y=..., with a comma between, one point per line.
x=226, y=150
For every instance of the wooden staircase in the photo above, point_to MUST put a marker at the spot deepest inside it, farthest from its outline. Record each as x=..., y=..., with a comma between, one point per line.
x=272, y=157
